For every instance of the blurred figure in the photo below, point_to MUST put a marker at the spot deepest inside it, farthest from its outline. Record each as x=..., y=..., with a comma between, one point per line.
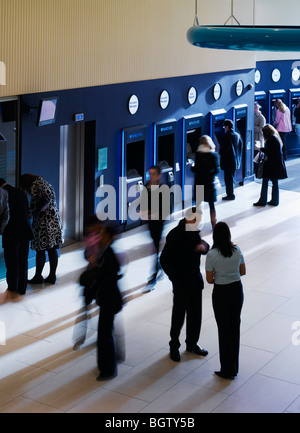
x=4, y=209
x=155, y=220
x=274, y=166
x=224, y=267
x=283, y=123
x=180, y=259
x=46, y=224
x=109, y=299
x=297, y=118
x=16, y=237
x=259, y=123
x=206, y=167
x=231, y=147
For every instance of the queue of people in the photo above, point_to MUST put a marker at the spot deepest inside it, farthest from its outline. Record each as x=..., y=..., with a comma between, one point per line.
x=44, y=233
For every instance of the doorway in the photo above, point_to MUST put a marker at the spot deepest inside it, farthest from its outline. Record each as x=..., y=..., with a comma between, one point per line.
x=77, y=180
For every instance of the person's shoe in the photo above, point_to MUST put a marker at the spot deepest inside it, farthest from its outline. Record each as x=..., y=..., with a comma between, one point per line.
x=272, y=203
x=197, y=350
x=229, y=197
x=50, y=280
x=259, y=203
x=9, y=296
x=224, y=376
x=104, y=376
x=175, y=355
x=36, y=280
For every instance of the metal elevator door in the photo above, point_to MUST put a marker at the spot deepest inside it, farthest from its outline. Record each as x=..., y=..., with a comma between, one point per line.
x=71, y=184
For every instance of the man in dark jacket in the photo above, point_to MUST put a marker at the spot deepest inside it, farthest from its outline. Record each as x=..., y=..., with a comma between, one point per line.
x=230, y=157
x=15, y=241
x=180, y=259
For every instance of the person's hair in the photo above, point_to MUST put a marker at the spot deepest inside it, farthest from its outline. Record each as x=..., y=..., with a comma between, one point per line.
x=229, y=123
x=2, y=181
x=26, y=181
x=157, y=168
x=222, y=239
x=280, y=105
x=206, y=140
x=269, y=131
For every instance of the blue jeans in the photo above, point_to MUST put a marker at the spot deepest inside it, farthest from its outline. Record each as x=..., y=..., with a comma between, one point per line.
x=264, y=191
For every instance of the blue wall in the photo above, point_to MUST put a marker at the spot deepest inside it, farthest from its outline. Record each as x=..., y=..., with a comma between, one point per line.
x=108, y=107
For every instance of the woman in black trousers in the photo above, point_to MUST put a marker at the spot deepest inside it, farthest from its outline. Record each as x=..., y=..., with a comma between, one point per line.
x=224, y=267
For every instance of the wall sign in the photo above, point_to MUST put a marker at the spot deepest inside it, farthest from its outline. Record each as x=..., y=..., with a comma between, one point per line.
x=192, y=95
x=257, y=76
x=102, y=159
x=164, y=99
x=295, y=74
x=276, y=75
x=239, y=87
x=217, y=91
x=133, y=104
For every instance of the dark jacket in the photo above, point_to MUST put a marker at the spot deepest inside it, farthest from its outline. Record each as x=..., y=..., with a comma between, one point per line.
x=18, y=227
x=274, y=165
x=4, y=210
x=206, y=167
x=231, y=148
x=100, y=282
x=179, y=259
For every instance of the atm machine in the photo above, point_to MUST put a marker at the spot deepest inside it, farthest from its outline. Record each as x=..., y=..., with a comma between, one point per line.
x=261, y=98
x=192, y=131
x=273, y=95
x=217, y=131
x=240, y=125
x=132, y=171
x=293, y=141
x=166, y=156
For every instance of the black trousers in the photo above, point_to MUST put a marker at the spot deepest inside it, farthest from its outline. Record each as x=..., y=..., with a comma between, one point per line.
x=227, y=304
x=106, y=350
x=187, y=302
x=16, y=261
x=155, y=229
x=229, y=179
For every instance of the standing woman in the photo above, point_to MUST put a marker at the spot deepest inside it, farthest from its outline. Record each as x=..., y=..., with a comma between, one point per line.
x=46, y=225
x=283, y=123
x=224, y=267
x=274, y=166
x=207, y=166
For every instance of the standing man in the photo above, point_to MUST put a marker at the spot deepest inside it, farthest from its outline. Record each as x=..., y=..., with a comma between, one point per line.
x=155, y=218
x=15, y=240
x=230, y=157
x=180, y=259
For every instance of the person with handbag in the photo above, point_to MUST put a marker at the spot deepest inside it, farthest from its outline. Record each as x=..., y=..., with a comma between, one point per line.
x=206, y=167
x=46, y=224
x=180, y=259
x=224, y=267
x=273, y=166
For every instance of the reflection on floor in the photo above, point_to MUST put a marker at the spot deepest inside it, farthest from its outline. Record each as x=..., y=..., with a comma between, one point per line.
x=40, y=372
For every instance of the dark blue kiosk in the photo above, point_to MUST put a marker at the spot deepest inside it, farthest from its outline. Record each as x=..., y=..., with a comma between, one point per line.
x=217, y=118
x=273, y=95
x=192, y=131
x=132, y=171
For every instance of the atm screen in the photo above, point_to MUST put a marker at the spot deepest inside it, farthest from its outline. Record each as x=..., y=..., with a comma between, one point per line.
x=135, y=157
x=218, y=134
x=166, y=149
x=193, y=138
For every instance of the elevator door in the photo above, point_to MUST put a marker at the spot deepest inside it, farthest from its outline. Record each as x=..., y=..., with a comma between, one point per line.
x=71, y=185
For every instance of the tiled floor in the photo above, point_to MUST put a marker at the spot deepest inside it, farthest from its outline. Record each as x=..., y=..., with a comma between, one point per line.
x=40, y=372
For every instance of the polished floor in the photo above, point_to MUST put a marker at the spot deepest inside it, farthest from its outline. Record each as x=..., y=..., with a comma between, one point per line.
x=40, y=371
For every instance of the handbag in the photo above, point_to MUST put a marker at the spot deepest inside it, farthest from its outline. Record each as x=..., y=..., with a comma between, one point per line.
x=259, y=172
x=41, y=202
